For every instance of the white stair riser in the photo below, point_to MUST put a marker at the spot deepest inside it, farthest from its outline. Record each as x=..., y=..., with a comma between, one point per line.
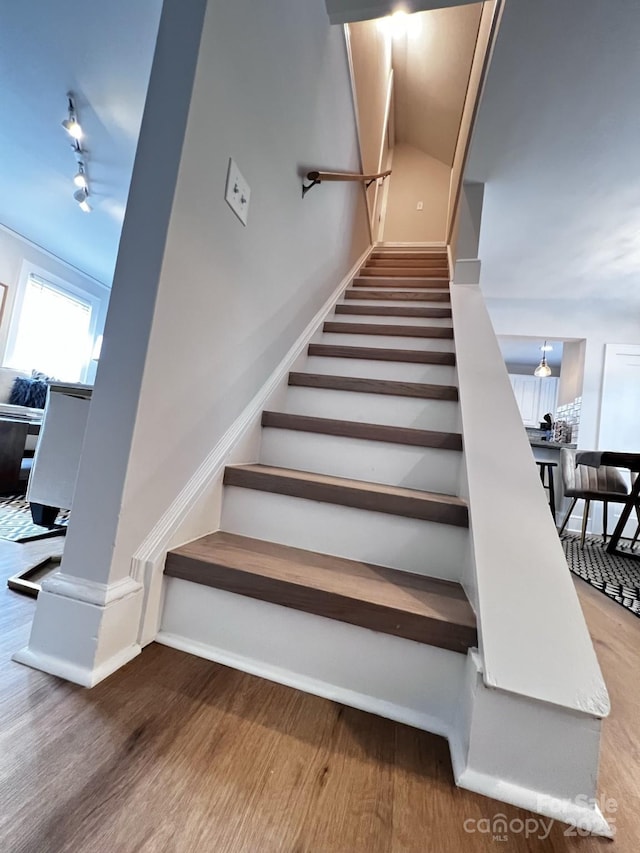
x=401, y=371
x=387, y=320
x=442, y=415
x=423, y=468
x=409, y=544
x=355, y=666
x=349, y=339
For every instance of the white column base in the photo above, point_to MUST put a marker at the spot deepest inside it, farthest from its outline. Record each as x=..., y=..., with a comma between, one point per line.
x=83, y=631
x=528, y=753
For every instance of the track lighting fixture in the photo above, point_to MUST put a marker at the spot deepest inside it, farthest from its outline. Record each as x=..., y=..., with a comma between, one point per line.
x=80, y=179
x=71, y=123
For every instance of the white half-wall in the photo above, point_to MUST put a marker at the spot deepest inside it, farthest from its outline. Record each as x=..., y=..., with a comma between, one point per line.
x=536, y=695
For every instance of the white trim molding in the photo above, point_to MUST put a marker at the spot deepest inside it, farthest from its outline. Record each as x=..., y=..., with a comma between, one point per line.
x=239, y=444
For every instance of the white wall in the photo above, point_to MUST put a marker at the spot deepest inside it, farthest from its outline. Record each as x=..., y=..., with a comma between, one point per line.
x=416, y=177
x=557, y=145
x=571, y=372
x=272, y=90
x=16, y=251
x=598, y=321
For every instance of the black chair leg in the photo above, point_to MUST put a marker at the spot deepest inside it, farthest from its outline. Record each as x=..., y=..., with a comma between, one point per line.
x=604, y=522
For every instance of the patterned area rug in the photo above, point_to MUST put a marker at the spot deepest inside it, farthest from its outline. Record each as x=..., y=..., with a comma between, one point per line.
x=16, y=523
x=617, y=577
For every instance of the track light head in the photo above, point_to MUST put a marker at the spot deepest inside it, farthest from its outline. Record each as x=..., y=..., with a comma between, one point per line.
x=71, y=123
x=80, y=178
x=81, y=197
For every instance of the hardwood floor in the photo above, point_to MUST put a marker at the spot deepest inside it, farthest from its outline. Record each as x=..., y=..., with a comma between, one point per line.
x=176, y=754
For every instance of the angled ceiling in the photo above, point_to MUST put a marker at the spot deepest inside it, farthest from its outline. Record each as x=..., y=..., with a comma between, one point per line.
x=102, y=51
x=431, y=64
x=556, y=145
x=345, y=11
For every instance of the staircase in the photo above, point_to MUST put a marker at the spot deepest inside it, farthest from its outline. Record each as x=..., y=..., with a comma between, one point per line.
x=352, y=513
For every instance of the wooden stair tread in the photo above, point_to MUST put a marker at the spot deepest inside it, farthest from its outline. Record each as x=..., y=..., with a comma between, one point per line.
x=415, y=607
x=366, y=431
x=375, y=497
x=406, y=263
x=405, y=272
x=406, y=282
x=391, y=387
x=439, y=254
x=388, y=329
x=399, y=296
x=393, y=310
x=382, y=354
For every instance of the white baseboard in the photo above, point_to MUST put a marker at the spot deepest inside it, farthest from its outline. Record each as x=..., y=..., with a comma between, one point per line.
x=239, y=444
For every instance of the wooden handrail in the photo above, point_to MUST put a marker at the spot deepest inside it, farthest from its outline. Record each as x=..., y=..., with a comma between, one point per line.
x=317, y=177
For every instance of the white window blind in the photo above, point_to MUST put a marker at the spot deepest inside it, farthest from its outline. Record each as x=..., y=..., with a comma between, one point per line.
x=54, y=332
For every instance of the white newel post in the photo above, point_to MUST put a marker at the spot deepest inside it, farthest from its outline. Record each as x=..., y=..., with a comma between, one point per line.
x=88, y=615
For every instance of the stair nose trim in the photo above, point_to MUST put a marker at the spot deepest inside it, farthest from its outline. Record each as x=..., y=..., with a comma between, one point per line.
x=383, y=354
x=424, y=295
x=374, y=497
x=390, y=387
x=390, y=329
x=402, y=604
x=366, y=431
x=393, y=310
x=419, y=282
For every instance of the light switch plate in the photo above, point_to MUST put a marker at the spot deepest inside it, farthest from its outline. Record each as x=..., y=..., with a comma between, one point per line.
x=237, y=193
x=419, y=206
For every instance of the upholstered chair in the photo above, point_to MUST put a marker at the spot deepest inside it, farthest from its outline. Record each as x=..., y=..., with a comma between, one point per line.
x=582, y=482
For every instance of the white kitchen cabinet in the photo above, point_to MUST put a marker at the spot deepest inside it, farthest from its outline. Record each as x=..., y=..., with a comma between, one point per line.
x=535, y=396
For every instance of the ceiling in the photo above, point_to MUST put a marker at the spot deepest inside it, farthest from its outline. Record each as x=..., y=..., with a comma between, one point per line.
x=102, y=51
x=556, y=145
x=431, y=65
x=344, y=11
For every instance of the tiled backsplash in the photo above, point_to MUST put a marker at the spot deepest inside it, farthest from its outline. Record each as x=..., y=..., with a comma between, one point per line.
x=567, y=425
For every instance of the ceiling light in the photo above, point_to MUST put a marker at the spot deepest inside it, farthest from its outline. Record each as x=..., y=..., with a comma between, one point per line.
x=80, y=178
x=71, y=123
x=543, y=370
x=400, y=23
x=81, y=197
x=72, y=127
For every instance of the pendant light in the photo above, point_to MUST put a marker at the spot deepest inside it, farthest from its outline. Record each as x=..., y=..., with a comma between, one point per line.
x=543, y=370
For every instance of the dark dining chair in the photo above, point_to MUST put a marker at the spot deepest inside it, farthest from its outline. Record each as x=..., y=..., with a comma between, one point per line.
x=583, y=482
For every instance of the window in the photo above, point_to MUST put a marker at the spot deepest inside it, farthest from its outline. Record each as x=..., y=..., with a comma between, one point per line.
x=52, y=332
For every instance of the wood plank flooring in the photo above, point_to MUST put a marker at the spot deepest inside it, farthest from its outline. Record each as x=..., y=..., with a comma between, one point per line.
x=174, y=754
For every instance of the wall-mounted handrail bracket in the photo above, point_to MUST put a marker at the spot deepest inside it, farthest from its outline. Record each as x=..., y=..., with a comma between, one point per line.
x=311, y=176
x=316, y=177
